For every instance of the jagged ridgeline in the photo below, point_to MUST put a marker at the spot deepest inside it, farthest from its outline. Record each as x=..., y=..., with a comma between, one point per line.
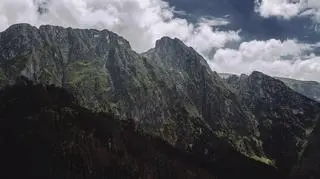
x=186, y=119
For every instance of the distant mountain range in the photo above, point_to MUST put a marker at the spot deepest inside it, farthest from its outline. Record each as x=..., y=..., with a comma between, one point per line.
x=69, y=95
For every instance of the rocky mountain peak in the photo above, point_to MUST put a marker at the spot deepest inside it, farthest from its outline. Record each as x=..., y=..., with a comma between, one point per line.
x=256, y=75
x=47, y=51
x=21, y=27
x=174, y=54
x=167, y=42
x=45, y=33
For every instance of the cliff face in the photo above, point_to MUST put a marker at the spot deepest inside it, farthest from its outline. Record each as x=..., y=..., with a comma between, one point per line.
x=286, y=118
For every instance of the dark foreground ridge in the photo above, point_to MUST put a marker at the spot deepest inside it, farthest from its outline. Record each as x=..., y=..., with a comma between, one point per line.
x=45, y=134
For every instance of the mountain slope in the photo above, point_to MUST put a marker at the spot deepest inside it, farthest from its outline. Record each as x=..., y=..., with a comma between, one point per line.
x=191, y=75
x=308, y=166
x=286, y=118
x=169, y=92
x=175, y=96
x=46, y=134
x=310, y=89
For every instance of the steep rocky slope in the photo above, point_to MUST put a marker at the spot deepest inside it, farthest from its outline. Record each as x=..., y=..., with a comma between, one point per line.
x=308, y=166
x=286, y=118
x=44, y=133
x=170, y=91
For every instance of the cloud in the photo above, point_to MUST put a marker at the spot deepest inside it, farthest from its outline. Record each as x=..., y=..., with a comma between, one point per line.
x=288, y=9
x=274, y=57
x=142, y=22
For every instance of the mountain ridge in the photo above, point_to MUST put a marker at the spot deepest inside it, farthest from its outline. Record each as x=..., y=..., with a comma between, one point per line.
x=107, y=75
x=169, y=92
x=310, y=89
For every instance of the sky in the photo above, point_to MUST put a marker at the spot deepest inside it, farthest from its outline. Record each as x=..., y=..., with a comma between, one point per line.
x=288, y=9
x=142, y=22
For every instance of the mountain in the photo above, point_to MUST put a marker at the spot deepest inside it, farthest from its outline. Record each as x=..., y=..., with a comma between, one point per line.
x=286, y=118
x=310, y=89
x=170, y=95
x=46, y=134
x=170, y=91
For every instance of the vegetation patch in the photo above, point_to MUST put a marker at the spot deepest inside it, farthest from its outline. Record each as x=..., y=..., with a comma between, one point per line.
x=263, y=160
x=90, y=80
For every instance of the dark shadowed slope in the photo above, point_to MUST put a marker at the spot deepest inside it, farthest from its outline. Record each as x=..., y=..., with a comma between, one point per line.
x=308, y=166
x=286, y=118
x=45, y=134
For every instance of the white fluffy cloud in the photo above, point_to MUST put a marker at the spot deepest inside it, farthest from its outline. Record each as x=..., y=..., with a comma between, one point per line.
x=142, y=22
x=289, y=8
x=274, y=57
